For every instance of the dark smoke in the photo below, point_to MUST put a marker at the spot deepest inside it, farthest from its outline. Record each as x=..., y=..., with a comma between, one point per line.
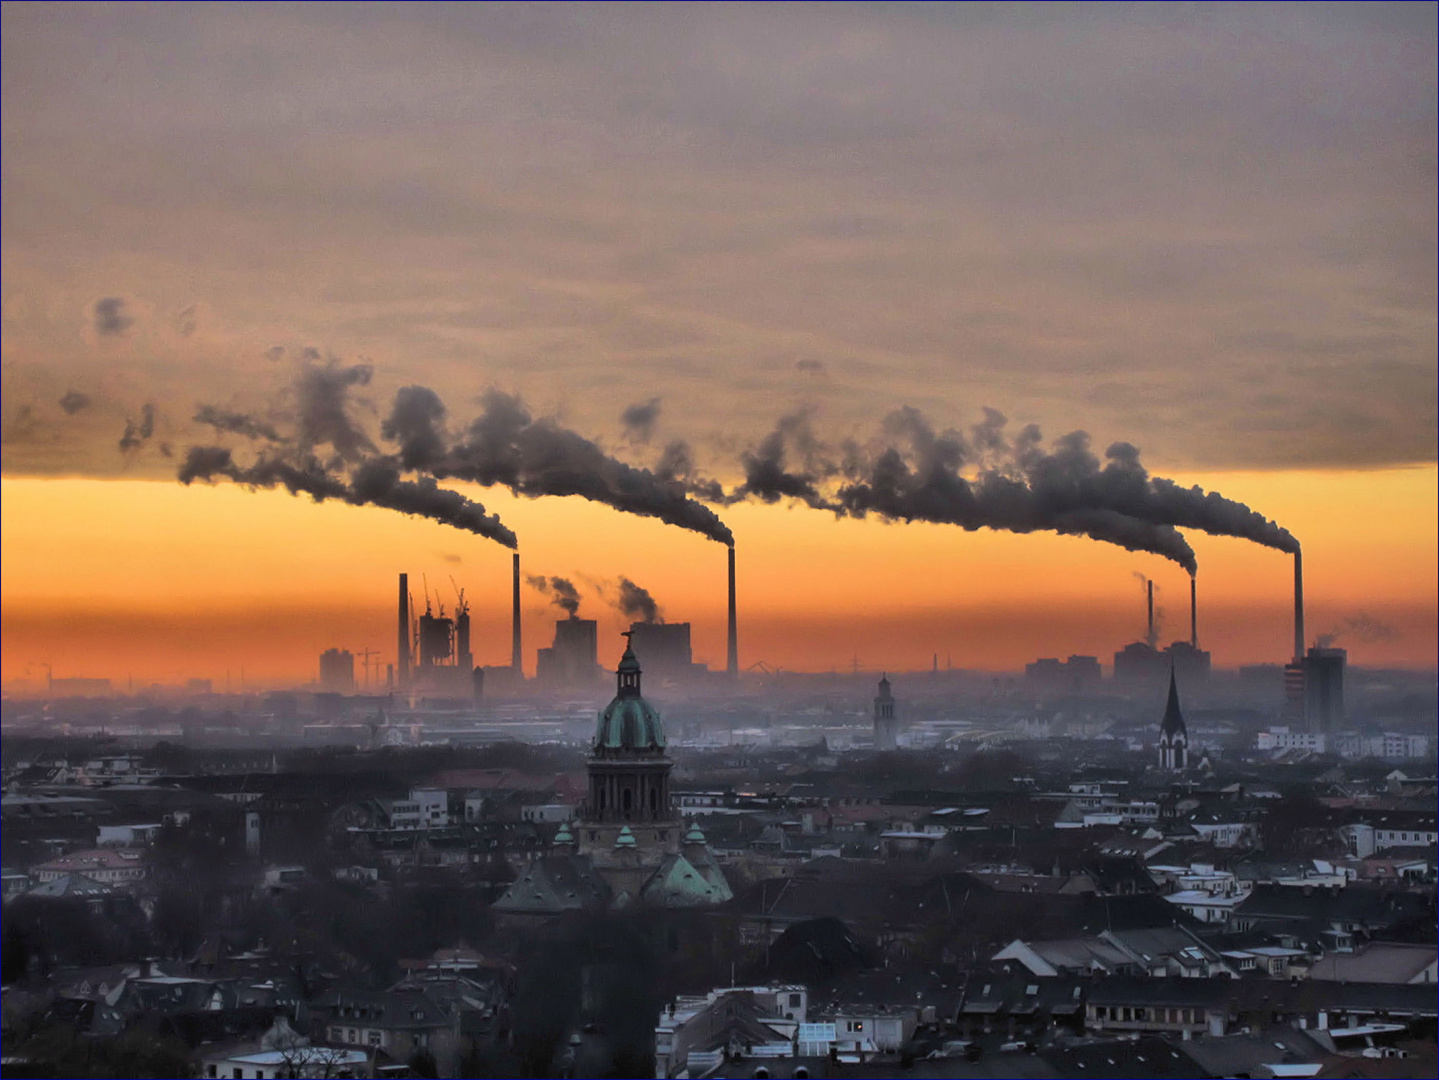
x=110, y=317
x=639, y=419
x=561, y=591
x=417, y=423
x=506, y=445
x=374, y=483
x=235, y=423
x=74, y=401
x=378, y=483
x=1070, y=475
x=636, y=603
x=767, y=476
x=136, y=434
x=322, y=393
x=676, y=468
x=354, y=471
x=913, y=474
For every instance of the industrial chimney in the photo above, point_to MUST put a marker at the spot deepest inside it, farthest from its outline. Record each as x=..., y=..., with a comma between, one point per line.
x=402, y=644
x=1298, y=608
x=517, y=659
x=1193, y=614
x=733, y=665
x=1149, y=637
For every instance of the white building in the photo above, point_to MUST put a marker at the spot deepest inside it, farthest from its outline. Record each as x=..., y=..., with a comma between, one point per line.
x=434, y=807
x=1281, y=738
x=299, y=1061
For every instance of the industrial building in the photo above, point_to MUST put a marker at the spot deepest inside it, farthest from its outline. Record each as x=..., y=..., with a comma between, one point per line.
x=337, y=671
x=573, y=659
x=1077, y=674
x=434, y=648
x=664, y=649
x=1314, y=689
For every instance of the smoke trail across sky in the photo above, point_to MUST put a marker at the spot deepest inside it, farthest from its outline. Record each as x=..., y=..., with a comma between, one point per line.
x=912, y=472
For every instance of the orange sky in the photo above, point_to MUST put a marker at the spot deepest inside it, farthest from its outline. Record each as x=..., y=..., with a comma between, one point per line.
x=159, y=582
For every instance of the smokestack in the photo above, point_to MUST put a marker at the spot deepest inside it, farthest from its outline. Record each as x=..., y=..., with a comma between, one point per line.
x=1149, y=637
x=517, y=659
x=1193, y=615
x=402, y=644
x=1298, y=607
x=733, y=666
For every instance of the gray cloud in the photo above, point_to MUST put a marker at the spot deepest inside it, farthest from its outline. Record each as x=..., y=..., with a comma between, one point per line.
x=74, y=401
x=110, y=317
x=1110, y=217
x=235, y=423
x=639, y=419
x=137, y=433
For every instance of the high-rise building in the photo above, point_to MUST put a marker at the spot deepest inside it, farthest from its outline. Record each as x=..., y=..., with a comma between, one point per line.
x=1324, y=688
x=886, y=730
x=337, y=671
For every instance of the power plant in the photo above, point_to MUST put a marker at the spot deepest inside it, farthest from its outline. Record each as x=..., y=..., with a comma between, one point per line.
x=1143, y=662
x=433, y=650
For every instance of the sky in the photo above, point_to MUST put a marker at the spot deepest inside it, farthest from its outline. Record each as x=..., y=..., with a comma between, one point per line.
x=1204, y=230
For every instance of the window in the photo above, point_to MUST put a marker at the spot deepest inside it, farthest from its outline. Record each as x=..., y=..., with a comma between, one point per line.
x=794, y=1000
x=373, y=1038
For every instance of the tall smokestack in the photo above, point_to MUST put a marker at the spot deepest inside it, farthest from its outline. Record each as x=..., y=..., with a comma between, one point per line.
x=1149, y=637
x=733, y=665
x=1298, y=607
x=517, y=657
x=1193, y=615
x=402, y=644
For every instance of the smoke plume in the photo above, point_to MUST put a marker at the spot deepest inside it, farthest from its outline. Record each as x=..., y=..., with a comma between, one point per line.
x=911, y=471
x=561, y=591
x=235, y=423
x=74, y=401
x=766, y=473
x=352, y=470
x=1361, y=627
x=136, y=434
x=110, y=317
x=639, y=420
x=506, y=445
x=913, y=474
x=636, y=604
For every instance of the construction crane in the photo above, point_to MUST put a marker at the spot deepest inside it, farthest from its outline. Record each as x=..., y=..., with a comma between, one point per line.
x=364, y=656
x=461, y=608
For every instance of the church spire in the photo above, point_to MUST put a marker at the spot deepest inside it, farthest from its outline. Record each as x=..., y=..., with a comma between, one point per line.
x=1173, y=719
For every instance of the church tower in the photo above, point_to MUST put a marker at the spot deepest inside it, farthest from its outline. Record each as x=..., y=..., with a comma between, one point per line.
x=628, y=813
x=885, y=725
x=1173, y=736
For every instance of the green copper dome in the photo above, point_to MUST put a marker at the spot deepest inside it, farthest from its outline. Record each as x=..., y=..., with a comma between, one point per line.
x=629, y=722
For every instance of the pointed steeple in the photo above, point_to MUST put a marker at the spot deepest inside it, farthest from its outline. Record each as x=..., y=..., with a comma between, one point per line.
x=1173, y=722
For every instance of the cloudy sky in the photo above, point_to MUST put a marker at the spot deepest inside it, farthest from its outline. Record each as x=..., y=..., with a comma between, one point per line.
x=1207, y=230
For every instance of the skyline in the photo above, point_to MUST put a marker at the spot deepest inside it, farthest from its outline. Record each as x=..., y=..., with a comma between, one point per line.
x=1207, y=232
x=910, y=590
